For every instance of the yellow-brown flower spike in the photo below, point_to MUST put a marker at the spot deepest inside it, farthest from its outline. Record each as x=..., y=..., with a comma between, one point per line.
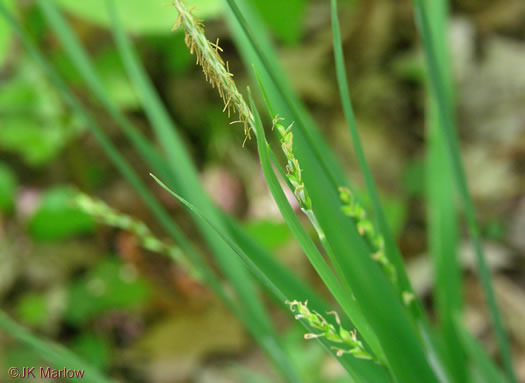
x=217, y=72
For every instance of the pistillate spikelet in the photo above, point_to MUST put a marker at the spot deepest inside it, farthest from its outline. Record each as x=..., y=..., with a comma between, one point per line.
x=366, y=229
x=293, y=173
x=347, y=339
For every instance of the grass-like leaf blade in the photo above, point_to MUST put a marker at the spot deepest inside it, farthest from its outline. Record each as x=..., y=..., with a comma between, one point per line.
x=53, y=353
x=438, y=85
x=358, y=369
x=256, y=49
x=441, y=210
x=311, y=251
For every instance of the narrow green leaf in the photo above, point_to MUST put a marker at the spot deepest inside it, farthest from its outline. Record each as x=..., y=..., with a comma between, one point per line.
x=439, y=90
x=392, y=250
x=129, y=174
x=120, y=163
x=314, y=256
x=289, y=283
x=184, y=177
x=235, y=274
x=483, y=369
x=442, y=219
x=53, y=353
x=83, y=64
x=182, y=169
x=359, y=370
x=256, y=49
x=374, y=293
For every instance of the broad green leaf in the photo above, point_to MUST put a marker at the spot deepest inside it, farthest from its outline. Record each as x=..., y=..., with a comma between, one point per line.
x=110, y=285
x=32, y=309
x=93, y=348
x=35, y=124
x=138, y=16
x=36, y=144
x=57, y=217
x=113, y=75
x=285, y=18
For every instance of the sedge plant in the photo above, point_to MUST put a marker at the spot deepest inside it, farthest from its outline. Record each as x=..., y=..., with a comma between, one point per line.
x=372, y=322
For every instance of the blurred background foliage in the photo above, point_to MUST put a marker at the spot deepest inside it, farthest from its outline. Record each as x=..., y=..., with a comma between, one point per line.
x=95, y=290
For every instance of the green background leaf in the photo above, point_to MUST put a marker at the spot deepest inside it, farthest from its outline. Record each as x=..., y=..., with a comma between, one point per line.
x=139, y=16
x=56, y=218
x=285, y=18
x=109, y=285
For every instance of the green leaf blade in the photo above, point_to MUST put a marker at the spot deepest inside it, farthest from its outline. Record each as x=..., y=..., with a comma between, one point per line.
x=440, y=94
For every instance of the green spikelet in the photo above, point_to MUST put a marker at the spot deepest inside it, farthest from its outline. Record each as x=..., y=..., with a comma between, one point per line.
x=366, y=229
x=110, y=217
x=347, y=340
